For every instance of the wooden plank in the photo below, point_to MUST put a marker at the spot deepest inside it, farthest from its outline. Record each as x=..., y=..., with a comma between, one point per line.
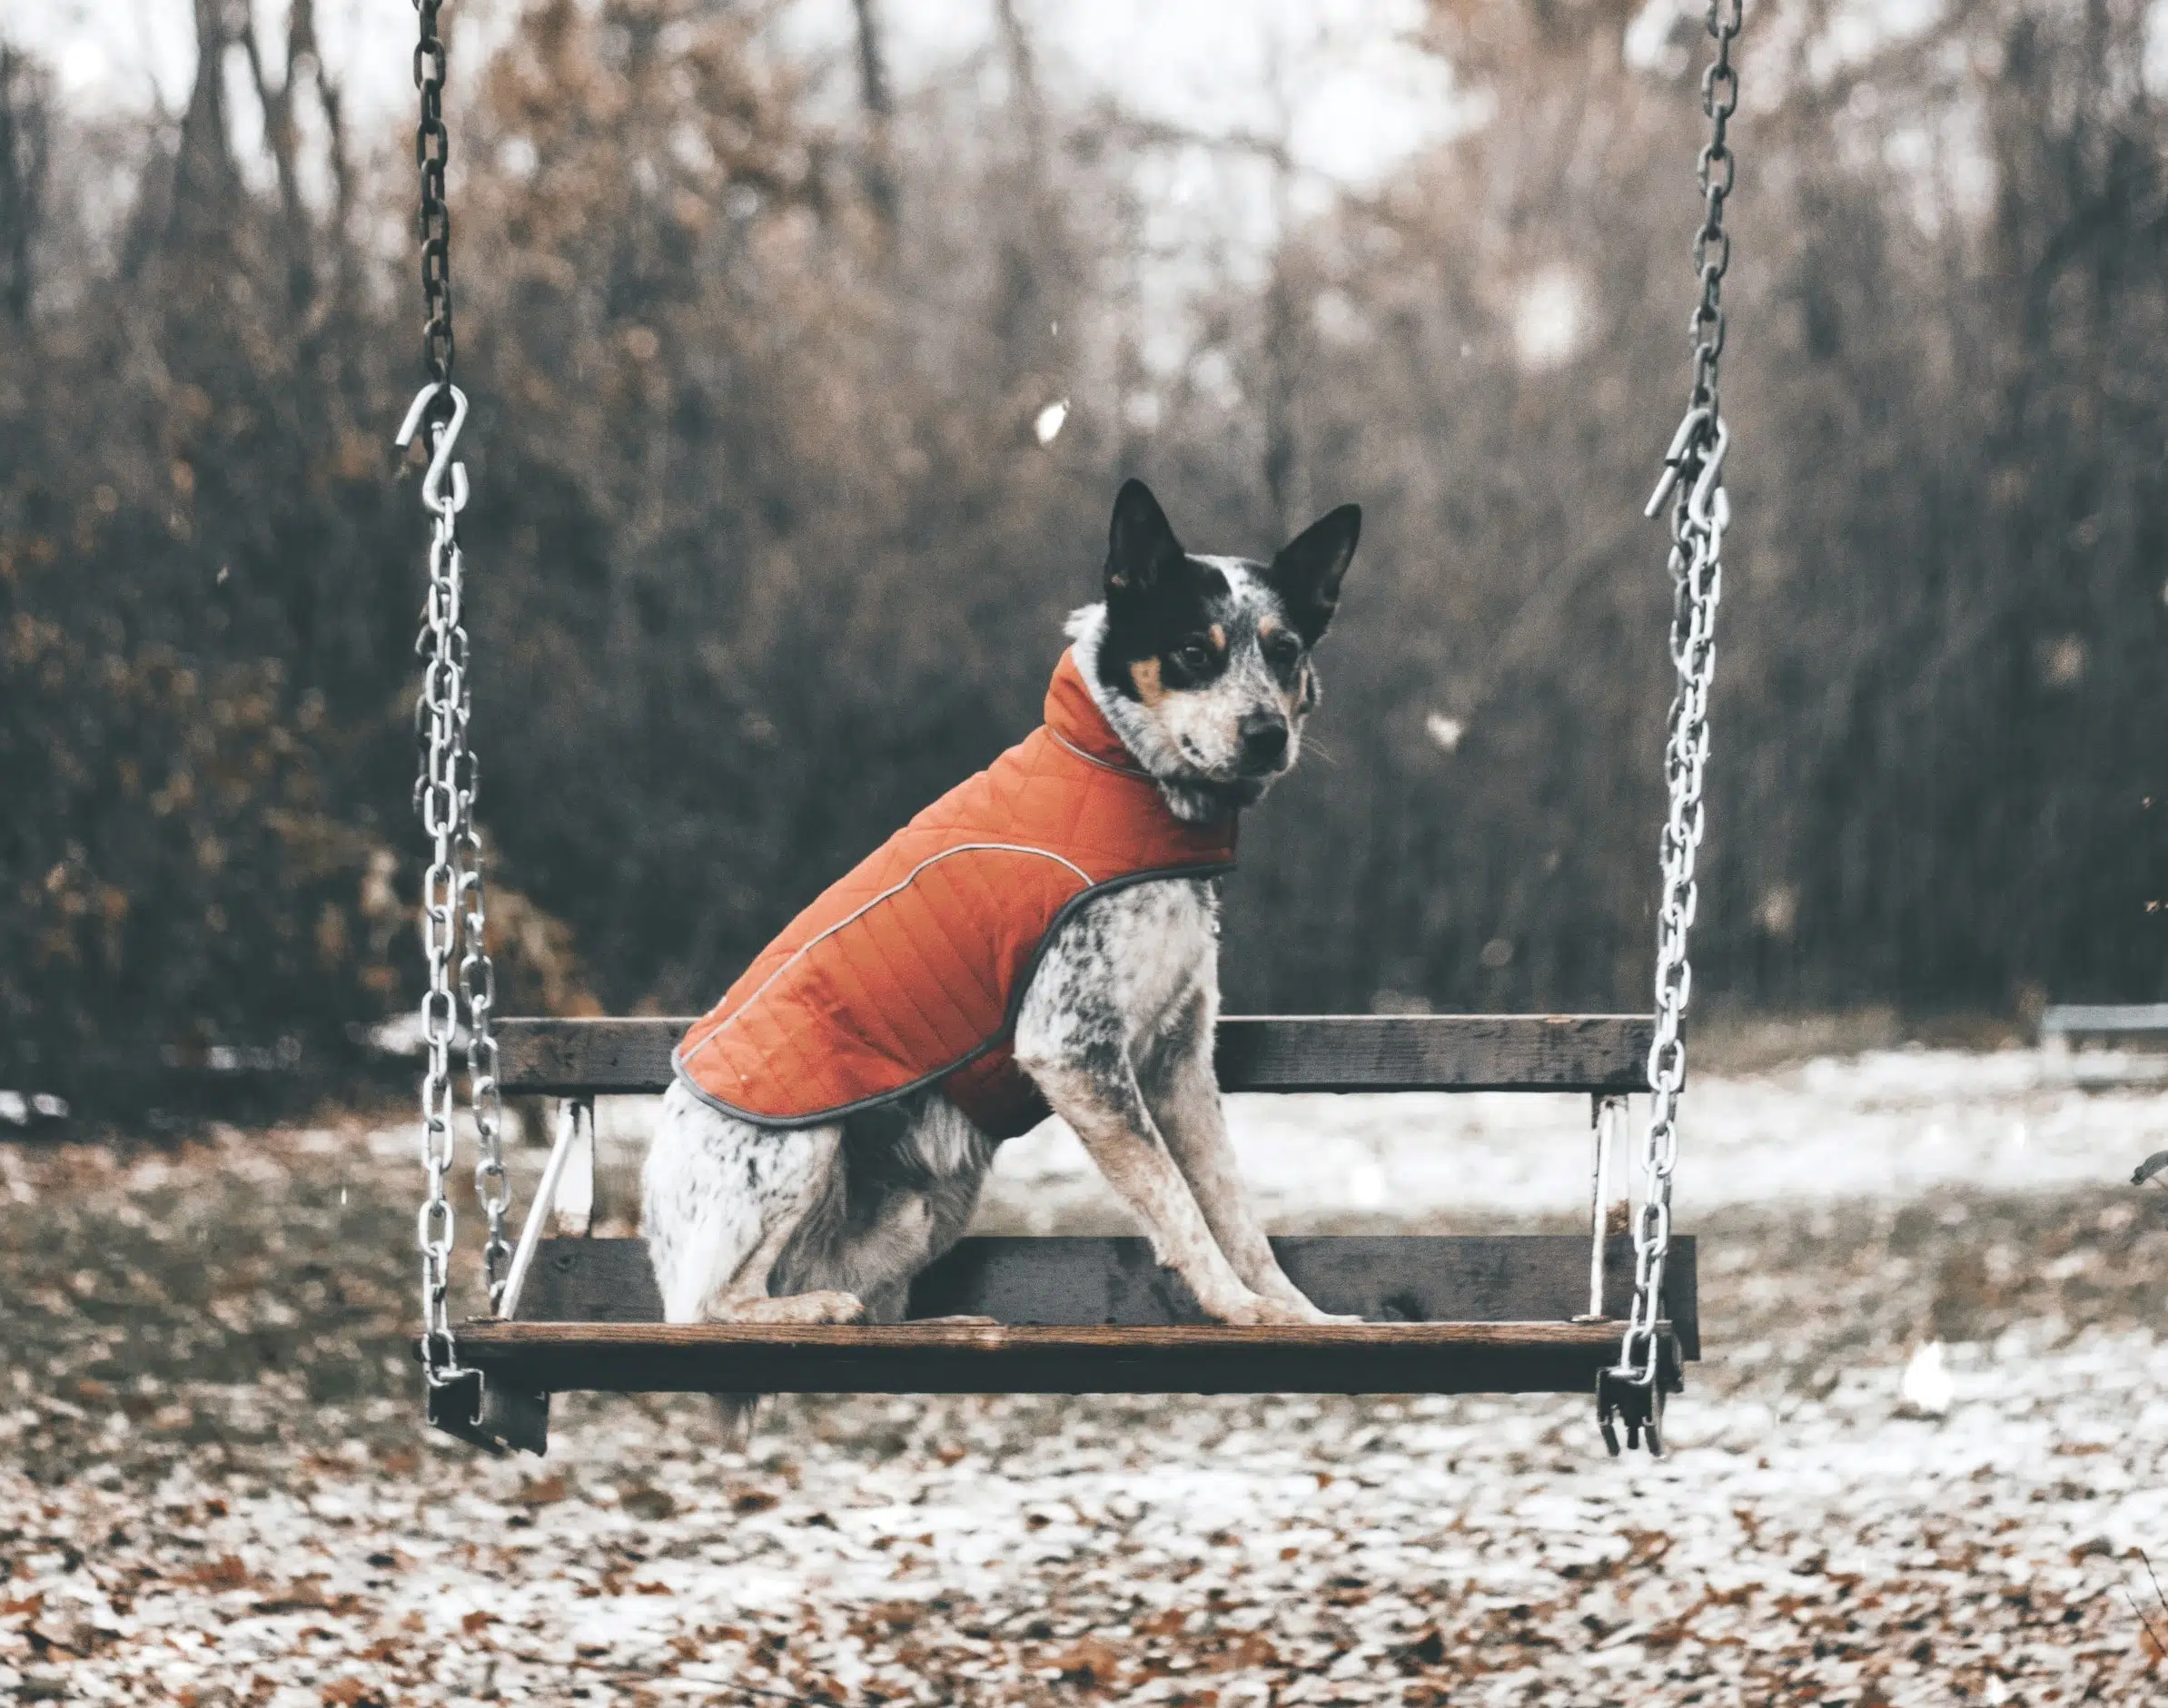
x=1114, y=1283
x=2103, y=1019
x=573, y=1058
x=1435, y=1052
x=929, y=1357
x=1309, y=1053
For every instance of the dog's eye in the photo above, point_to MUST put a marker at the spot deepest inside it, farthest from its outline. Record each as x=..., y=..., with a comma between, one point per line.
x=1281, y=650
x=1194, y=657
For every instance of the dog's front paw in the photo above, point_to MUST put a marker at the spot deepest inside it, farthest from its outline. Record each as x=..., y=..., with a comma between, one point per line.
x=799, y=1309
x=1308, y=1312
x=1258, y=1311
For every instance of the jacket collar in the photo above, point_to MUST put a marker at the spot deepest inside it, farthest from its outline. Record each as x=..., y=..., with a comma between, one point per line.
x=1074, y=719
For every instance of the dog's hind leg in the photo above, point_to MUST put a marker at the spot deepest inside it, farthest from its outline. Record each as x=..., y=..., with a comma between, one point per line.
x=911, y=1173
x=723, y=1197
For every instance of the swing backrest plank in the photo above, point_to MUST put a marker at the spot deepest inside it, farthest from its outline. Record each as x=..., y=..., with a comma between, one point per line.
x=1596, y=1053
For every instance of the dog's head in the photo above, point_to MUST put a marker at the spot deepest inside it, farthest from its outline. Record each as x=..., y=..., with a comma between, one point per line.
x=1203, y=664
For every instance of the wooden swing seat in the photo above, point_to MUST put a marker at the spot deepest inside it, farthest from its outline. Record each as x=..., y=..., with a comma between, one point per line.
x=1506, y=1314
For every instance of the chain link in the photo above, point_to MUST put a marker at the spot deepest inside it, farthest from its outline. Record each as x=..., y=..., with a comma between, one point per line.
x=1693, y=482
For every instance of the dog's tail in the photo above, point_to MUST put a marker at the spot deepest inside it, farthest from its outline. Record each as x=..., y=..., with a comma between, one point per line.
x=739, y=1414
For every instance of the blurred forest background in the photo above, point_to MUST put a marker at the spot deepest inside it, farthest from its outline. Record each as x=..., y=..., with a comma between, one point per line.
x=765, y=550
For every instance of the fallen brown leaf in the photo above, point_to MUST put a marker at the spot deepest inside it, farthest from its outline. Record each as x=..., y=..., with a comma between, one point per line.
x=1093, y=1662
x=544, y=1491
x=227, y=1572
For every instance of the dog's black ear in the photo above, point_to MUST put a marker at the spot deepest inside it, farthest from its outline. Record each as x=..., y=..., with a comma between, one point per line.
x=1307, y=573
x=1141, y=546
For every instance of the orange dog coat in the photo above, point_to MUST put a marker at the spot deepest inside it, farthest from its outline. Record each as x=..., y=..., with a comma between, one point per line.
x=910, y=968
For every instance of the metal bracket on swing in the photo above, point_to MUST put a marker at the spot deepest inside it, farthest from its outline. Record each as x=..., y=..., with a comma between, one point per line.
x=569, y=1176
x=1622, y=1399
x=462, y=1402
x=495, y=1419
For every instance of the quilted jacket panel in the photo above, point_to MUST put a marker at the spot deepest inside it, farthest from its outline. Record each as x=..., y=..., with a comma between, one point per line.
x=909, y=968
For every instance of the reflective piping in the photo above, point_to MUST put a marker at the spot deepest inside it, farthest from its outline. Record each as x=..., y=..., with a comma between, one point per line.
x=1092, y=759
x=904, y=883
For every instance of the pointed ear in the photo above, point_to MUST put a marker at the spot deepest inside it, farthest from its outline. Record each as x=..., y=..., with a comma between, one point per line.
x=1307, y=573
x=1141, y=546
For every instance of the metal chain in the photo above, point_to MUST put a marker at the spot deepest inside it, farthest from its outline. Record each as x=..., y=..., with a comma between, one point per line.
x=1715, y=171
x=432, y=148
x=453, y=916
x=478, y=985
x=453, y=919
x=437, y=799
x=1693, y=481
x=1698, y=520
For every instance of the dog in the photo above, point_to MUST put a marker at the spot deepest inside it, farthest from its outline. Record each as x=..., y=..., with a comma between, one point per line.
x=1203, y=667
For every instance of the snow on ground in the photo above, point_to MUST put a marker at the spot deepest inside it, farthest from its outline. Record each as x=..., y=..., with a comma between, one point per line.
x=212, y=1489
x=1890, y=1124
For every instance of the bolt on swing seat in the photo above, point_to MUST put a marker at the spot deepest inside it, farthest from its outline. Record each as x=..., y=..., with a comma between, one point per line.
x=1506, y=1314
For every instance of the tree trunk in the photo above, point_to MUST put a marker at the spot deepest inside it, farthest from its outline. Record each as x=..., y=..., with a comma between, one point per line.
x=879, y=169
x=203, y=176
x=24, y=136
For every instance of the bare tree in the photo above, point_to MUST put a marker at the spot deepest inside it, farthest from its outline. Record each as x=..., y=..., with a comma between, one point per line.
x=282, y=136
x=879, y=170
x=1033, y=248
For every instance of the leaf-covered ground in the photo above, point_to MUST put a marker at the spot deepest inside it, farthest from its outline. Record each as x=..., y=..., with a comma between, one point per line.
x=213, y=1490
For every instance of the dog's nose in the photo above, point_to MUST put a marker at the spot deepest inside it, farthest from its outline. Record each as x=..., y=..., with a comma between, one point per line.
x=1265, y=740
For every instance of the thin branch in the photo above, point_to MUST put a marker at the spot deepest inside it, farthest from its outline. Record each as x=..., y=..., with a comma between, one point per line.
x=1149, y=132
x=330, y=98
x=2160, y=1648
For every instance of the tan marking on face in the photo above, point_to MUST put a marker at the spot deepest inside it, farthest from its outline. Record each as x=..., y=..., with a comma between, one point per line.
x=1218, y=637
x=1144, y=673
x=1267, y=628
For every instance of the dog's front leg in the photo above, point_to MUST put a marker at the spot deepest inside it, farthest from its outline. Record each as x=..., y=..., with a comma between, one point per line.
x=1112, y=1120
x=1094, y=1087
x=1183, y=1094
